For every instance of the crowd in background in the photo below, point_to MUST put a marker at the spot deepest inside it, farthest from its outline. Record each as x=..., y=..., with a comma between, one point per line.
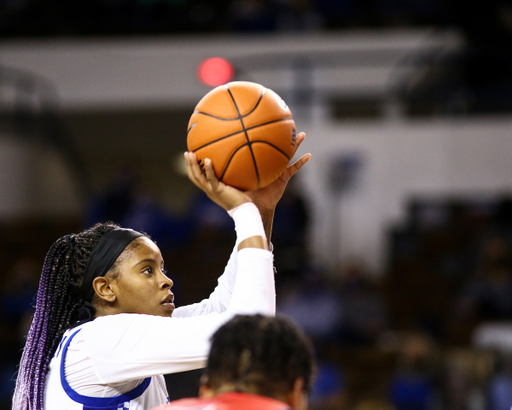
x=106, y=17
x=136, y=17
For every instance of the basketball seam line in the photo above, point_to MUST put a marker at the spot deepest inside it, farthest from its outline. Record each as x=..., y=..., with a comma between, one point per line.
x=244, y=145
x=192, y=126
x=238, y=132
x=272, y=145
x=240, y=117
x=230, y=119
x=229, y=162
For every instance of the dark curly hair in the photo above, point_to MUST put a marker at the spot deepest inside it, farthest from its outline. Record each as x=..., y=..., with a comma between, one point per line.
x=57, y=304
x=262, y=354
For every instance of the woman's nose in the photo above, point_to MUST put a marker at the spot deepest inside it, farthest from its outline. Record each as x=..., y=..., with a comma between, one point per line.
x=166, y=282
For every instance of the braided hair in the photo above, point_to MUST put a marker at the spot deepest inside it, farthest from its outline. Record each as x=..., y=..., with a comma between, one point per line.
x=260, y=354
x=57, y=303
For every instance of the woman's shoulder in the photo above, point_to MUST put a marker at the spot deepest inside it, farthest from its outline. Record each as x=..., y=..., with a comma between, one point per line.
x=115, y=323
x=106, y=334
x=125, y=319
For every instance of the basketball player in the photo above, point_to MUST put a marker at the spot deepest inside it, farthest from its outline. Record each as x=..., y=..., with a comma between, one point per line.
x=255, y=363
x=102, y=334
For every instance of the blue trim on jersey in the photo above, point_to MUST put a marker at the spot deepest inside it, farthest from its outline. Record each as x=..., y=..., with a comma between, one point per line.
x=97, y=402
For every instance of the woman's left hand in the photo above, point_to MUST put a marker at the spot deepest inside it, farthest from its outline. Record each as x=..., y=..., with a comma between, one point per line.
x=266, y=198
x=223, y=195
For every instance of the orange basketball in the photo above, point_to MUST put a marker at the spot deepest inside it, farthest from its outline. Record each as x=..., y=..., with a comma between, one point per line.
x=247, y=131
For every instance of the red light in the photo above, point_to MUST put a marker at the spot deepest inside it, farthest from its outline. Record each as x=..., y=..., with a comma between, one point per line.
x=215, y=71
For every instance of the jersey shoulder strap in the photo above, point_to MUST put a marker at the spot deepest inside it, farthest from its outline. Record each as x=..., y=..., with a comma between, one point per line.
x=97, y=403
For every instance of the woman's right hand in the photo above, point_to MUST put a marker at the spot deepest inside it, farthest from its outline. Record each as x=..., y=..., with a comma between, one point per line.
x=223, y=195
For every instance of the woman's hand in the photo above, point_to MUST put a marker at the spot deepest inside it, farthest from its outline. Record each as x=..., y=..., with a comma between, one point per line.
x=223, y=195
x=266, y=198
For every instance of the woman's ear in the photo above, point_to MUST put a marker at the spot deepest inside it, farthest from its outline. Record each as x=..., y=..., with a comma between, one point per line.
x=103, y=290
x=205, y=391
x=297, y=398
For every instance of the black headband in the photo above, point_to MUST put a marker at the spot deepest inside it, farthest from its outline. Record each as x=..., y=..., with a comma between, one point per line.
x=103, y=256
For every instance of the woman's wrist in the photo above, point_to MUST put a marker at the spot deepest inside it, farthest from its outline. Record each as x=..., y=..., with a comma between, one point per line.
x=258, y=242
x=248, y=224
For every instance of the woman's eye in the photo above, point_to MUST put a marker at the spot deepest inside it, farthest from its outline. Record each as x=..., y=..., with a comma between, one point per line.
x=148, y=271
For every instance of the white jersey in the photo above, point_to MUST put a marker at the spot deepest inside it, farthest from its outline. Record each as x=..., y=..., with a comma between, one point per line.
x=117, y=361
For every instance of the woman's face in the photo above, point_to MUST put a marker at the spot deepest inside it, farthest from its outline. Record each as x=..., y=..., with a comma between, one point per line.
x=141, y=285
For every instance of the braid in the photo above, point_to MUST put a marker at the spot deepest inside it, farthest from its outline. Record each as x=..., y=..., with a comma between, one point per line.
x=57, y=302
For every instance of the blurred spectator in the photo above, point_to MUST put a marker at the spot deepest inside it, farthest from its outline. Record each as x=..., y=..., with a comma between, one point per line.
x=126, y=202
x=298, y=15
x=330, y=391
x=485, y=64
x=413, y=386
x=289, y=234
x=18, y=291
x=206, y=216
x=373, y=404
x=487, y=296
x=467, y=373
x=314, y=304
x=115, y=201
x=503, y=216
x=167, y=229
x=251, y=16
x=365, y=314
x=340, y=13
x=500, y=386
x=408, y=13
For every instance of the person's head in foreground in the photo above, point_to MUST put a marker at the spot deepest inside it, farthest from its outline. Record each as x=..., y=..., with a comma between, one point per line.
x=258, y=355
